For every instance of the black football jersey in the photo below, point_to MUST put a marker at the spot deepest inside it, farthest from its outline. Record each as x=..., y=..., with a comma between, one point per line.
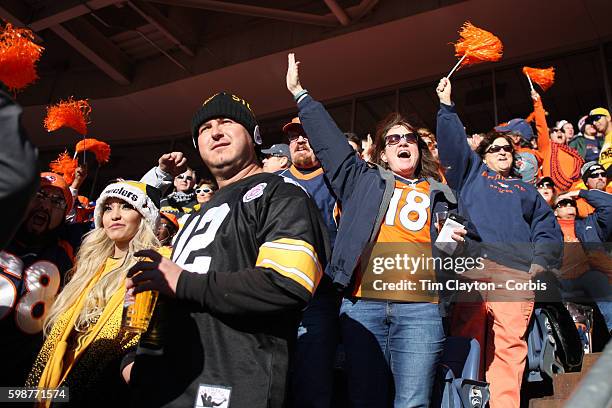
x=252, y=257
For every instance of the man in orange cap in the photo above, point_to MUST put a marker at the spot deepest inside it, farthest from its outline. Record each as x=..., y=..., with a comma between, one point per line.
x=34, y=265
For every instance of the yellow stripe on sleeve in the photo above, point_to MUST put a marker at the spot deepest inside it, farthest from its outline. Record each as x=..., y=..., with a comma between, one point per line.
x=294, y=259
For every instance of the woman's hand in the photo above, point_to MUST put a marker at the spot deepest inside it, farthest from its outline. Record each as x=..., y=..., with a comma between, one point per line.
x=293, y=75
x=444, y=91
x=459, y=234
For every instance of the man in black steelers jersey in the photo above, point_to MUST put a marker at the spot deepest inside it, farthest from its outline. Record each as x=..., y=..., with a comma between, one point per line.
x=243, y=268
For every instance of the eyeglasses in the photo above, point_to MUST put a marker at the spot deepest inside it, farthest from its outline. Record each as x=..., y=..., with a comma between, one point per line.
x=498, y=148
x=184, y=177
x=395, y=138
x=204, y=190
x=276, y=155
x=566, y=202
x=432, y=145
x=599, y=174
x=56, y=201
x=546, y=184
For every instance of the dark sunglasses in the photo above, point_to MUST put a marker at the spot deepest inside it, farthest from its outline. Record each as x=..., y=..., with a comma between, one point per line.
x=204, y=190
x=598, y=175
x=498, y=148
x=55, y=200
x=566, y=202
x=432, y=145
x=395, y=139
x=546, y=184
x=183, y=177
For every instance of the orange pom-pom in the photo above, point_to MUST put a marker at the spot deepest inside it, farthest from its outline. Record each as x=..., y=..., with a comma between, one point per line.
x=544, y=77
x=64, y=165
x=70, y=113
x=18, y=57
x=100, y=149
x=477, y=45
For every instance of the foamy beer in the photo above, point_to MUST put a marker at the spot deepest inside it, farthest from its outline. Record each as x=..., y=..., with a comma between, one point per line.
x=138, y=309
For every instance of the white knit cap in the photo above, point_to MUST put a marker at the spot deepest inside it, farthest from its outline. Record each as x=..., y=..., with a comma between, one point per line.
x=143, y=197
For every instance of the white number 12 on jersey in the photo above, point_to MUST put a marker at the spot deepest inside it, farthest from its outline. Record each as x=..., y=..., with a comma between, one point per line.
x=188, y=242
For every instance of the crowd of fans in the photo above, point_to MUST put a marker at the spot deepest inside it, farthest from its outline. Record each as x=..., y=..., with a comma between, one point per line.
x=261, y=270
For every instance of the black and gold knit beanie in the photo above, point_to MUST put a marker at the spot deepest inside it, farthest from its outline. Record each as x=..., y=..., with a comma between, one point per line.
x=225, y=105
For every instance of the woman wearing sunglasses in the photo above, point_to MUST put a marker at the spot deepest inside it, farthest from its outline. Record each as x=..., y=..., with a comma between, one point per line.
x=520, y=238
x=393, y=340
x=546, y=188
x=205, y=190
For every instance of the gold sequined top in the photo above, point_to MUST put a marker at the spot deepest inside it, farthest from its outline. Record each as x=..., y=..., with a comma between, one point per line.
x=88, y=363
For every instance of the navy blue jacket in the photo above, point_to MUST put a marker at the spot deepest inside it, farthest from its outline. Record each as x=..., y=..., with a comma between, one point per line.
x=597, y=227
x=516, y=225
x=364, y=189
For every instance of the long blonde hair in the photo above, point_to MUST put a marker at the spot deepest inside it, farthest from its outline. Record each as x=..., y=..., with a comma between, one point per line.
x=96, y=248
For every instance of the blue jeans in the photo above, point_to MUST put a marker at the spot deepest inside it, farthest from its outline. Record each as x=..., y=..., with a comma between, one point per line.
x=392, y=352
x=312, y=380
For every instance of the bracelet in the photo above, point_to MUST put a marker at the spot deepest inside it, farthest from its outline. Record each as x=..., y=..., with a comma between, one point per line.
x=297, y=96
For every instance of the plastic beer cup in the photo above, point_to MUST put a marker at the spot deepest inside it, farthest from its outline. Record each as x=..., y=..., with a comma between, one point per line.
x=137, y=310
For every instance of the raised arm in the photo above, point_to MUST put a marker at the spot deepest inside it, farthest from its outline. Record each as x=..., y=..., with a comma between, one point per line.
x=170, y=166
x=342, y=166
x=456, y=156
x=602, y=202
x=541, y=126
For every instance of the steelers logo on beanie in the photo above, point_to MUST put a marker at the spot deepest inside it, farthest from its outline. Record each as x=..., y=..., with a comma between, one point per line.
x=225, y=105
x=144, y=198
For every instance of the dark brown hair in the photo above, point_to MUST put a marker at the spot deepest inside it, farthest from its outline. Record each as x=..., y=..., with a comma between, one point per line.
x=209, y=181
x=424, y=132
x=488, y=140
x=427, y=166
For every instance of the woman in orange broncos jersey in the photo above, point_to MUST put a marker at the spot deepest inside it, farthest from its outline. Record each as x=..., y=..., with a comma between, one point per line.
x=392, y=331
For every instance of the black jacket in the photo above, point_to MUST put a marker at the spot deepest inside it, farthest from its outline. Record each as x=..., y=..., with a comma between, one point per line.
x=19, y=175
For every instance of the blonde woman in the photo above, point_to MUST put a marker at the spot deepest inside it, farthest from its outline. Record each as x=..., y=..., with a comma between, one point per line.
x=84, y=341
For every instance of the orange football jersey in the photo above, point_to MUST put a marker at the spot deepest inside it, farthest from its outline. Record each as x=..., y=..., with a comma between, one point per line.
x=408, y=217
x=408, y=220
